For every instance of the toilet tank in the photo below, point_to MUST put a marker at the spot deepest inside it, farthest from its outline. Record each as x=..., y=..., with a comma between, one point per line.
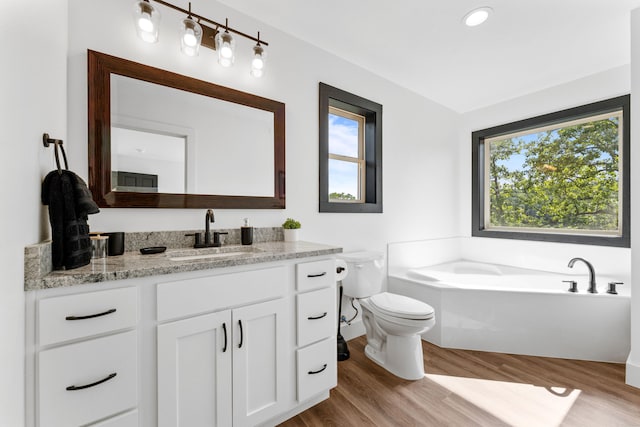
x=365, y=274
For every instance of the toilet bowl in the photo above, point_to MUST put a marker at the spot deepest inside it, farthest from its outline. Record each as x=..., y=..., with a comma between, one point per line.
x=393, y=323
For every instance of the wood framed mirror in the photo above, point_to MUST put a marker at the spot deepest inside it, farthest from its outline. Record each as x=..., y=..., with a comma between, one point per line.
x=158, y=139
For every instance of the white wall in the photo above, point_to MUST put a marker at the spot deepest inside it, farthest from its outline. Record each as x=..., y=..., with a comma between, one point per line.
x=633, y=363
x=33, y=88
x=418, y=135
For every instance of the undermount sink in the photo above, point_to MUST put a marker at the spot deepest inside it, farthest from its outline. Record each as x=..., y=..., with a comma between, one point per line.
x=206, y=253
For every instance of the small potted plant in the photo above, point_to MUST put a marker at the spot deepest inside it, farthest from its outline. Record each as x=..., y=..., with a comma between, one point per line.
x=291, y=227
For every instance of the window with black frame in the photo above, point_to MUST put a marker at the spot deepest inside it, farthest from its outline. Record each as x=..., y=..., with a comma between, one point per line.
x=350, y=152
x=561, y=177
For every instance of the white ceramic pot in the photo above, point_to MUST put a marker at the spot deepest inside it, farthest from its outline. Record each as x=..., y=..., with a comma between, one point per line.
x=291, y=234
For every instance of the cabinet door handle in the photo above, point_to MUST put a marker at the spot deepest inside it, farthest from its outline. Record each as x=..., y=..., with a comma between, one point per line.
x=318, y=371
x=317, y=317
x=91, y=316
x=317, y=275
x=224, y=329
x=81, y=387
x=241, y=334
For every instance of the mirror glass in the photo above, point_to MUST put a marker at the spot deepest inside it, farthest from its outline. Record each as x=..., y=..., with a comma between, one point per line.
x=181, y=142
x=160, y=139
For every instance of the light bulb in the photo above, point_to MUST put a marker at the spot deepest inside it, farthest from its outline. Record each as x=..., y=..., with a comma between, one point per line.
x=226, y=51
x=258, y=60
x=145, y=23
x=189, y=38
x=257, y=63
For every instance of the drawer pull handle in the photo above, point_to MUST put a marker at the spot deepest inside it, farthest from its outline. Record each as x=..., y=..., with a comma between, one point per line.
x=318, y=371
x=317, y=317
x=224, y=329
x=317, y=275
x=91, y=316
x=241, y=334
x=82, y=387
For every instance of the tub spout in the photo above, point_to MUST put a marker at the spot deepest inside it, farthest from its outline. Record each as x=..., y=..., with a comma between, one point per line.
x=592, y=274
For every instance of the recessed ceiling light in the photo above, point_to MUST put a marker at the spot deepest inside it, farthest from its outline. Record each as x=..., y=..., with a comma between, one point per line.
x=477, y=16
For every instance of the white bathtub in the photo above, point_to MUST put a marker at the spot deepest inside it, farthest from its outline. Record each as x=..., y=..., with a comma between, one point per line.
x=506, y=309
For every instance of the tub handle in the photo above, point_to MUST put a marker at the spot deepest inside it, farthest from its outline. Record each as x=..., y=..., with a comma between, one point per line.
x=612, y=287
x=573, y=285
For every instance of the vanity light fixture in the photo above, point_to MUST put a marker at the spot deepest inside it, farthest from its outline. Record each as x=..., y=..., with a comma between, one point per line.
x=193, y=34
x=190, y=35
x=147, y=20
x=477, y=16
x=226, y=46
x=259, y=57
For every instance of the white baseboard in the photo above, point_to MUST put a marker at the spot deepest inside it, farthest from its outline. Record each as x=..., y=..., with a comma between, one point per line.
x=632, y=376
x=352, y=331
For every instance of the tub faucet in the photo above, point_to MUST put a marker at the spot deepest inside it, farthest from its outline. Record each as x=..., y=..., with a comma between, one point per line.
x=592, y=274
x=208, y=218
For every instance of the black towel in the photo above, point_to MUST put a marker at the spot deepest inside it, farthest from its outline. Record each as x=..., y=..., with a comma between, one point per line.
x=69, y=203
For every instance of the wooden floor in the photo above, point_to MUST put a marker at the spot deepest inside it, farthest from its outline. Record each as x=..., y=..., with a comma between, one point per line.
x=472, y=388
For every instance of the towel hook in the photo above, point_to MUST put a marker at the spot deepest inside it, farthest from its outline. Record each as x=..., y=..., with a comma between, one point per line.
x=46, y=141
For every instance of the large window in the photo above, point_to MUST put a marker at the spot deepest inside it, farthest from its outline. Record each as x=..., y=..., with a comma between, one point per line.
x=561, y=177
x=350, y=152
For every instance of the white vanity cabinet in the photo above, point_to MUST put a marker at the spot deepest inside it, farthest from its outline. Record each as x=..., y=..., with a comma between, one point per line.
x=244, y=345
x=227, y=367
x=86, y=354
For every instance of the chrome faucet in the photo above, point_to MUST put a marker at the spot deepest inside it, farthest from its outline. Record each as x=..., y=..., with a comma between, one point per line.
x=208, y=218
x=592, y=274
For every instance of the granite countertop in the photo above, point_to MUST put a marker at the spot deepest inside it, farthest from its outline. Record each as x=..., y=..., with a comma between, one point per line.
x=175, y=260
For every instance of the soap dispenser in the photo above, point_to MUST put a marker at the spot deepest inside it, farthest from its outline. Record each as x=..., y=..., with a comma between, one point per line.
x=246, y=233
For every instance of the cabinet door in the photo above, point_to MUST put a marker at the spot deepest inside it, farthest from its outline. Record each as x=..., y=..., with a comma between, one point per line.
x=194, y=371
x=259, y=362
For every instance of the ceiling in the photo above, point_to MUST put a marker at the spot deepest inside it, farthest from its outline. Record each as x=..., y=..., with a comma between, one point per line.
x=422, y=45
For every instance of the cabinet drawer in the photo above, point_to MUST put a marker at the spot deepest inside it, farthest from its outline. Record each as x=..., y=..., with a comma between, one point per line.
x=315, y=274
x=213, y=293
x=316, y=316
x=82, y=315
x=317, y=368
x=81, y=365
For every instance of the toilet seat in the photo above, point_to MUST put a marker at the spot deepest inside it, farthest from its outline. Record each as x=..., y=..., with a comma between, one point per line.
x=400, y=307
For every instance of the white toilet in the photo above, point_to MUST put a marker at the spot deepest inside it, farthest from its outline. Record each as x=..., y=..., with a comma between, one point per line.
x=393, y=322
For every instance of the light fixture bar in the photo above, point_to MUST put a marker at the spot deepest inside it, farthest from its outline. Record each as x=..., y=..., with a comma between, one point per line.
x=216, y=24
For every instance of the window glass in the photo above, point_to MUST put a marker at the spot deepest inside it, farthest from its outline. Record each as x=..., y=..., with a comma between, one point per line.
x=562, y=178
x=343, y=135
x=343, y=181
x=346, y=156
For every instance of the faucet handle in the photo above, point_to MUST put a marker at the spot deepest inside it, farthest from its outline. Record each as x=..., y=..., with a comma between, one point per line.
x=612, y=287
x=573, y=285
x=216, y=237
x=198, y=239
